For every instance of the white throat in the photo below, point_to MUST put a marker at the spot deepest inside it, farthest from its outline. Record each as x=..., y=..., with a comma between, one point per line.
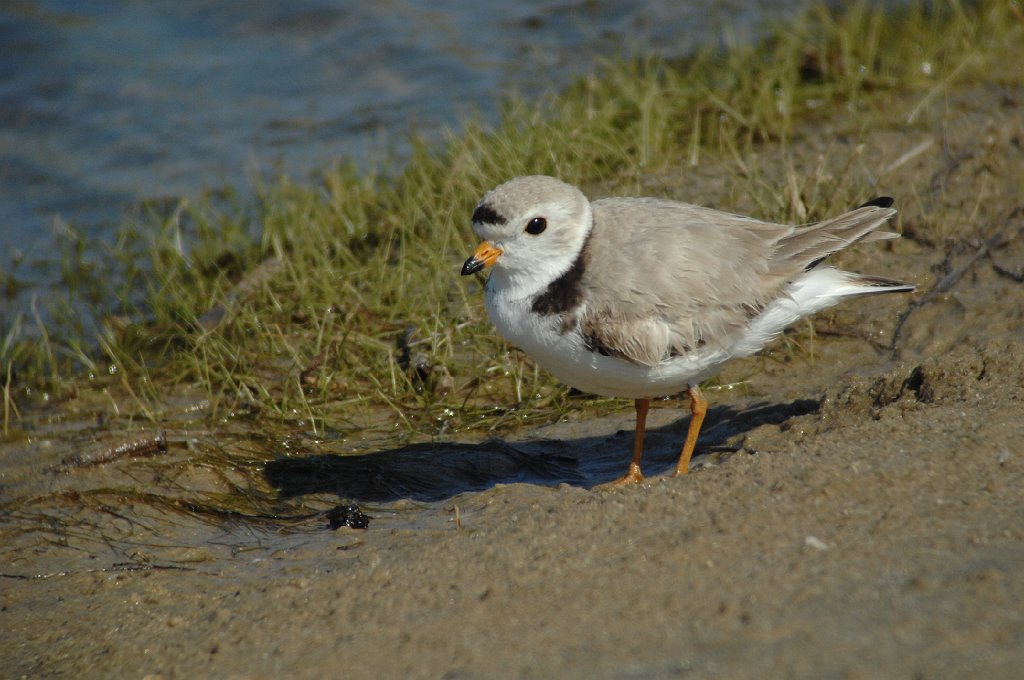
x=529, y=267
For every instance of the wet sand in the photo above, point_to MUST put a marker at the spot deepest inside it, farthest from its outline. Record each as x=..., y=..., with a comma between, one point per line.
x=855, y=509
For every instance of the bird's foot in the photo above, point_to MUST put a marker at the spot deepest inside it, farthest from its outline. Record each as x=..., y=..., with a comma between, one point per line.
x=634, y=476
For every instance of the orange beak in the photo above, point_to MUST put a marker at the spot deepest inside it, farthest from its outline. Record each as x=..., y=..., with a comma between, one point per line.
x=484, y=256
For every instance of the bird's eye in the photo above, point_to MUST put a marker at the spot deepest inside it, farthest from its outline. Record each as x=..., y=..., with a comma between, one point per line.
x=536, y=225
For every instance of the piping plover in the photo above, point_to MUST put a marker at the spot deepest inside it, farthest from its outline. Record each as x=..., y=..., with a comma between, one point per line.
x=644, y=297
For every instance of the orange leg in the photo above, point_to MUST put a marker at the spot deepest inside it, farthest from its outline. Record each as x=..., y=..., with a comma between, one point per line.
x=698, y=407
x=634, y=475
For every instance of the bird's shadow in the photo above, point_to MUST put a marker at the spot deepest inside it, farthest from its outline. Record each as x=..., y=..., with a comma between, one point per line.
x=437, y=471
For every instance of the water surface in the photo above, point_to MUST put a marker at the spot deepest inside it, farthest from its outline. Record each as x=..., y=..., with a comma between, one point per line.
x=109, y=102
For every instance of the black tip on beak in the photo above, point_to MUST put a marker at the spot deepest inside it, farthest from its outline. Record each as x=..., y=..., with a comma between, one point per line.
x=472, y=266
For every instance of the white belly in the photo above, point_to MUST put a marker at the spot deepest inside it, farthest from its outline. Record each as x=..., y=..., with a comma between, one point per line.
x=566, y=356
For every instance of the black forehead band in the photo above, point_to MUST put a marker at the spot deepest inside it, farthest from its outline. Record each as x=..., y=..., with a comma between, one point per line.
x=485, y=214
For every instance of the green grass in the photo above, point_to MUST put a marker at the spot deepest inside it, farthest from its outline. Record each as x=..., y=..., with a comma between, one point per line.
x=294, y=309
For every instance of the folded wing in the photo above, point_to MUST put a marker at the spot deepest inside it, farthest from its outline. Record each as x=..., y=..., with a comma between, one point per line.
x=688, y=277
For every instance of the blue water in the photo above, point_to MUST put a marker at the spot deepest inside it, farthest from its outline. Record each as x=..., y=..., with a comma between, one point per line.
x=104, y=103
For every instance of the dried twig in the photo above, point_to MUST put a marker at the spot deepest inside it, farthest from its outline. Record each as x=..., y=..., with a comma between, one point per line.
x=150, y=445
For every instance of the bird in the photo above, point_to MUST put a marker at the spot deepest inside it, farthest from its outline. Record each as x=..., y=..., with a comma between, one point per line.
x=643, y=298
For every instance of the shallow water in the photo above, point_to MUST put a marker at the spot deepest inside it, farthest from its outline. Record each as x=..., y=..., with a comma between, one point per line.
x=103, y=104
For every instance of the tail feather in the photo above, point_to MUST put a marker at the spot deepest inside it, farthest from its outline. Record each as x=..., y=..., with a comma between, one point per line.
x=805, y=248
x=809, y=293
x=873, y=285
x=829, y=283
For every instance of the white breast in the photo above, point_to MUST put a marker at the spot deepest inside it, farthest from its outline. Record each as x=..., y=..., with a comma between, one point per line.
x=565, y=355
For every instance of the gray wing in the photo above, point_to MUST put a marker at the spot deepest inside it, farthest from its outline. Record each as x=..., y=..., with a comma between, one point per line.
x=685, y=276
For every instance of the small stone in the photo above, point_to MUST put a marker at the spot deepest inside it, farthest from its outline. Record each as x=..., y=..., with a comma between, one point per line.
x=815, y=542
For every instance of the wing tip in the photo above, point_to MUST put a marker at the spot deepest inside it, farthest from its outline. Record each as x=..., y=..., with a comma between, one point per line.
x=878, y=202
